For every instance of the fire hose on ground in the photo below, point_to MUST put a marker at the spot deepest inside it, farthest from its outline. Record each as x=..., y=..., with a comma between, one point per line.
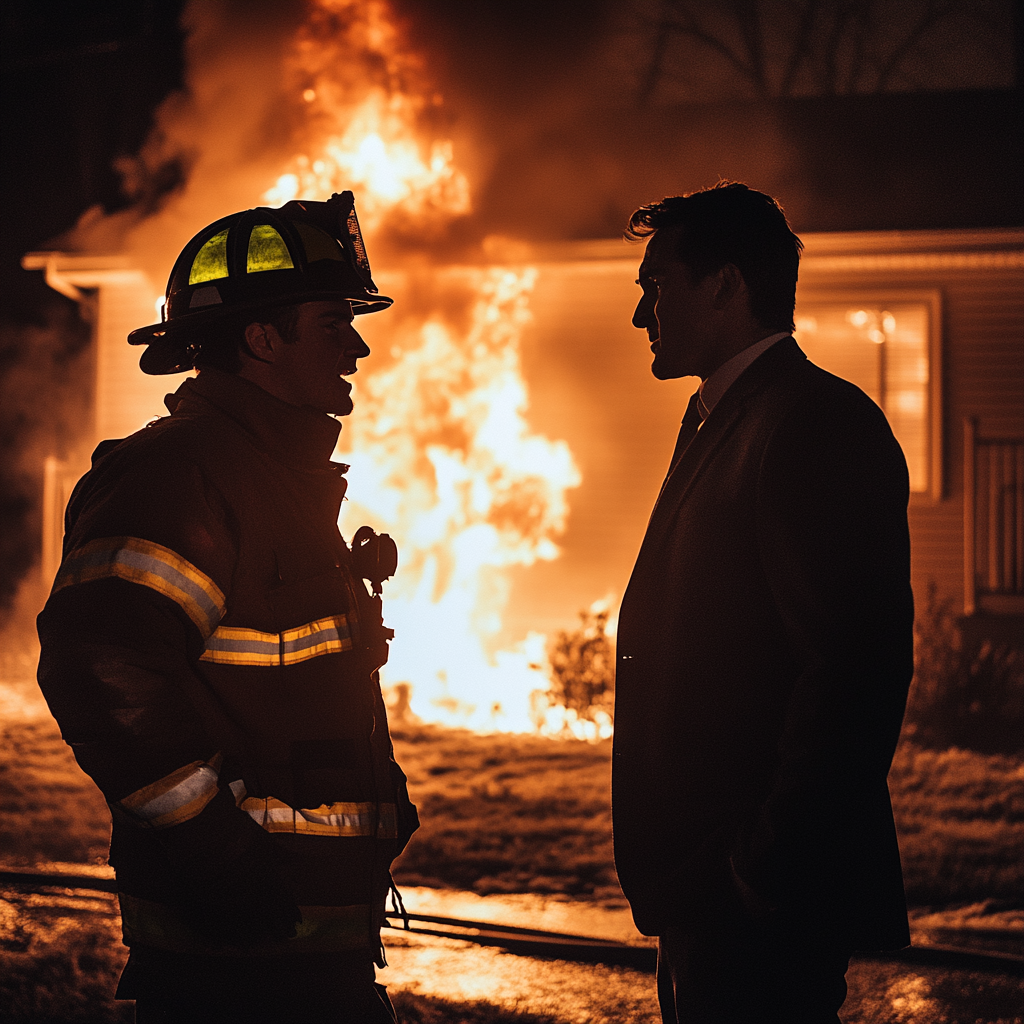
x=553, y=945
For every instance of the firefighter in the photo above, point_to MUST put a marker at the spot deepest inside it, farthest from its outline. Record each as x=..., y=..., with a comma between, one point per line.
x=210, y=648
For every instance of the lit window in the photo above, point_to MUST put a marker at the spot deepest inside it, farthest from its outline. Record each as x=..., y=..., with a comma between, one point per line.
x=267, y=251
x=885, y=350
x=211, y=262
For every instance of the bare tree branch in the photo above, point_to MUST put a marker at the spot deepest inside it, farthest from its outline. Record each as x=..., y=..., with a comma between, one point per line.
x=862, y=21
x=655, y=69
x=935, y=12
x=688, y=25
x=748, y=16
x=826, y=47
x=834, y=43
x=801, y=46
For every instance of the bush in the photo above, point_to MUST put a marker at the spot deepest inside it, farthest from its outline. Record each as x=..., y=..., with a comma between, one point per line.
x=965, y=694
x=583, y=669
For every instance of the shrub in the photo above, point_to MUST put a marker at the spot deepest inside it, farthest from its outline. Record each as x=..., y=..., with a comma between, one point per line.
x=964, y=694
x=583, y=668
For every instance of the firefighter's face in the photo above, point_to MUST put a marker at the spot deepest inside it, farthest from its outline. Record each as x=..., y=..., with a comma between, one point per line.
x=310, y=366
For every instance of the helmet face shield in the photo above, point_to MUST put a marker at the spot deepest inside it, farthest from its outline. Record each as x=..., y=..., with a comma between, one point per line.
x=303, y=252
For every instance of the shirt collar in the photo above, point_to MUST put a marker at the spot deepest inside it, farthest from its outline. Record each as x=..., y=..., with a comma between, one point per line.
x=711, y=390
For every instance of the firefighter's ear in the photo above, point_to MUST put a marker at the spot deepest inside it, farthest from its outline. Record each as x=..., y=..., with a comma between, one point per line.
x=263, y=342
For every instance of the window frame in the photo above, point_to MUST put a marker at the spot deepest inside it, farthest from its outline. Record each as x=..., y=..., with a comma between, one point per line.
x=822, y=294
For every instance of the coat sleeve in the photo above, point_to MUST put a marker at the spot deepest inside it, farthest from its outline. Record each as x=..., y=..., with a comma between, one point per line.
x=147, y=563
x=834, y=543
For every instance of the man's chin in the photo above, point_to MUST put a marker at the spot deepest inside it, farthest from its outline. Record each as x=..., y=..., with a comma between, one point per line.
x=664, y=370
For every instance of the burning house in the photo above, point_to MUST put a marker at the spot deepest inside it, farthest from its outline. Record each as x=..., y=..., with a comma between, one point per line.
x=507, y=432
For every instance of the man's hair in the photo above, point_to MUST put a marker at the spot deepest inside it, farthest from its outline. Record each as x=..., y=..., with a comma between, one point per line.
x=222, y=342
x=731, y=223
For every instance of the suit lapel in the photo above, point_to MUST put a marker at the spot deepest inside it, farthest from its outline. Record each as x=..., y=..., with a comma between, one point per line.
x=690, y=459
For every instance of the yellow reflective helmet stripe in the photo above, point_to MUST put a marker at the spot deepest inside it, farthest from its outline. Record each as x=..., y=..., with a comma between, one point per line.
x=151, y=565
x=211, y=262
x=267, y=250
x=175, y=798
x=238, y=645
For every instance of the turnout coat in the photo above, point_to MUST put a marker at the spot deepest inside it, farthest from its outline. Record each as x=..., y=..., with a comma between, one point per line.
x=211, y=659
x=764, y=655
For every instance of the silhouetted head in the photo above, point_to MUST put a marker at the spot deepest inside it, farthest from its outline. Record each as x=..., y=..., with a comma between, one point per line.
x=719, y=273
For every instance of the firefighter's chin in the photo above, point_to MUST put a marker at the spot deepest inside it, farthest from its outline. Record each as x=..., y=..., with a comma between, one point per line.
x=343, y=402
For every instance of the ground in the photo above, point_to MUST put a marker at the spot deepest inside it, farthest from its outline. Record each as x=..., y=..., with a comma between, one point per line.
x=502, y=814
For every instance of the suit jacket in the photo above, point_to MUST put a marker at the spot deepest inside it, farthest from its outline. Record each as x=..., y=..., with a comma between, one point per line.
x=764, y=654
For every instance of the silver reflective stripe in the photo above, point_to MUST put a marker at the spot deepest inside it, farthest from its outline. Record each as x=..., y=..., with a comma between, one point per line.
x=239, y=645
x=337, y=819
x=153, y=566
x=175, y=798
x=323, y=636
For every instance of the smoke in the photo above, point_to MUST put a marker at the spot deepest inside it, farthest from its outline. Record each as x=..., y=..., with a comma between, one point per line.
x=43, y=408
x=300, y=100
x=219, y=138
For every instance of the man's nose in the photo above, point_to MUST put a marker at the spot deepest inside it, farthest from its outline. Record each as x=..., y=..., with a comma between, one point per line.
x=642, y=315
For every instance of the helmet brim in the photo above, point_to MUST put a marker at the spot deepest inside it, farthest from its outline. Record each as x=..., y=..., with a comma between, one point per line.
x=180, y=325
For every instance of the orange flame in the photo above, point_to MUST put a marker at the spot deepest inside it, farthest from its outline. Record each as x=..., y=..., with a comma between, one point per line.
x=442, y=456
x=372, y=145
x=441, y=452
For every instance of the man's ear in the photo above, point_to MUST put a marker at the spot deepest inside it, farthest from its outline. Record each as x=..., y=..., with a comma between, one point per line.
x=263, y=342
x=729, y=284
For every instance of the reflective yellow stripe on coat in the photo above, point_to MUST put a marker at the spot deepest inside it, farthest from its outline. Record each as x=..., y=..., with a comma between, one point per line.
x=236, y=645
x=337, y=819
x=151, y=565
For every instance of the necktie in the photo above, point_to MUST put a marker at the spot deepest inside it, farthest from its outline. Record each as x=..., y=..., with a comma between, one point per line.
x=687, y=432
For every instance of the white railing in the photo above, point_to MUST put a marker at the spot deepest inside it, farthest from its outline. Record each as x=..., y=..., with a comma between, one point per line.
x=993, y=522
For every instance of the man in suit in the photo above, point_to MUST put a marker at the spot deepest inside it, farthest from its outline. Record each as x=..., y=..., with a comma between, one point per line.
x=765, y=640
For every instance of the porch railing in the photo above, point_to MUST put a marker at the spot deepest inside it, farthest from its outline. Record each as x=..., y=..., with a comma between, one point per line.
x=993, y=523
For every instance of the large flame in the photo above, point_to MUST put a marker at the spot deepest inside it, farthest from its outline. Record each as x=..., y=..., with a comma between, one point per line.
x=442, y=456
x=370, y=144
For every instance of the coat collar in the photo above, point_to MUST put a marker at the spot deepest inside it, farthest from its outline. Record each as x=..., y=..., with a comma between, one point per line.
x=780, y=360
x=290, y=434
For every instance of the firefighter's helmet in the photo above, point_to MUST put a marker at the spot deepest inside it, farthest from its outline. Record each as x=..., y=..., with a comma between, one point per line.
x=302, y=252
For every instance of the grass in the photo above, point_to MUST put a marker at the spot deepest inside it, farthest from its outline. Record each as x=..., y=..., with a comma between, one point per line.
x=501, y=813
x=960, y=817
x=506, y=813
x=509, y=813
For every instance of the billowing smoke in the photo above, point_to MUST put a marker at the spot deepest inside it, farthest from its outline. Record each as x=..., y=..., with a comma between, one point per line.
x=302, y=100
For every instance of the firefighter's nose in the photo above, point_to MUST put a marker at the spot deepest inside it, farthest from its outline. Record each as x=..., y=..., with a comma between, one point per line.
x=356, y=347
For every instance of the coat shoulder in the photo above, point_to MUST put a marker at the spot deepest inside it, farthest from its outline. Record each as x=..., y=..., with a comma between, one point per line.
x=821, y=398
